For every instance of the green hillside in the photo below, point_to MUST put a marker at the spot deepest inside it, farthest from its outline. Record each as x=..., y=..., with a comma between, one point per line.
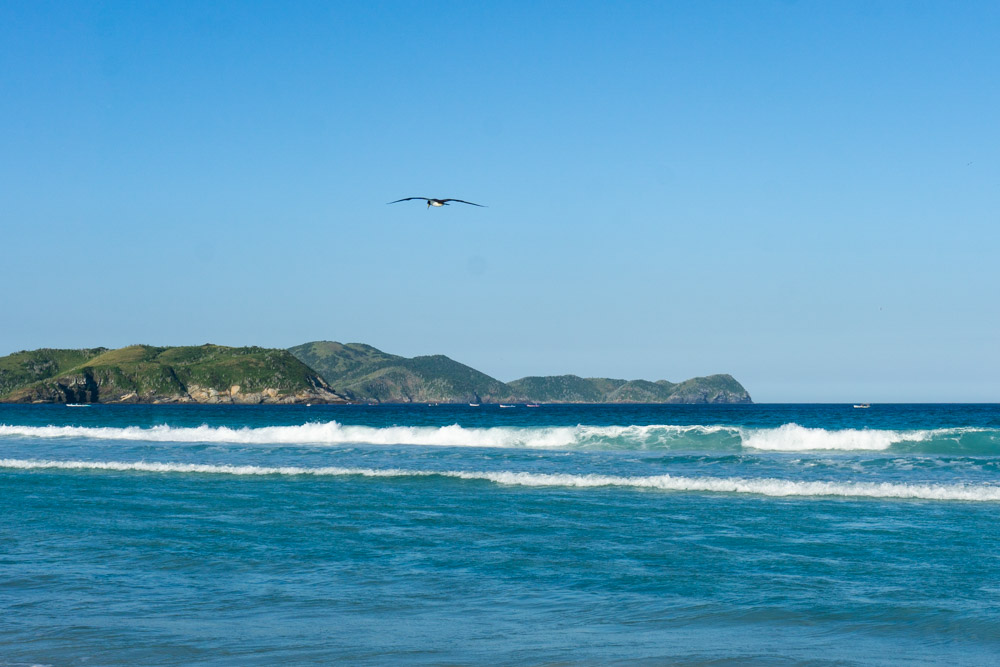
x=575, y=389
x=202, y=374
x=23, y=368
x=641, y=391
x=318, y=372
x=367, y=374
x=711, y=389
x=335, y=360
x=563, y=389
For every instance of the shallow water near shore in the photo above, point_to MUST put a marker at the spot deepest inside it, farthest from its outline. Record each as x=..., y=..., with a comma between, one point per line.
x=815, y=534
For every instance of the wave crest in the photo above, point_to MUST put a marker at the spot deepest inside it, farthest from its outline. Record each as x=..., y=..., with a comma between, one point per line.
x=334, y=433
x=760, y=486
x=786, y=438
x=795, y=438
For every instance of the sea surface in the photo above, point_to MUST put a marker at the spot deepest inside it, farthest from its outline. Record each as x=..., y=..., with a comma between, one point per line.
x=743, y=534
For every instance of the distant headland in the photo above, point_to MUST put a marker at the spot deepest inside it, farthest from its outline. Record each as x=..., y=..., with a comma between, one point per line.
x=321, y=372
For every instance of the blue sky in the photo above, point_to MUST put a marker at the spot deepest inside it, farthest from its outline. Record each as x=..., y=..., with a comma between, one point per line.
x=805, y=195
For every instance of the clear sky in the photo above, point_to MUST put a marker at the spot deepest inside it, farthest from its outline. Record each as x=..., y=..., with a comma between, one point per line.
x=805, y=195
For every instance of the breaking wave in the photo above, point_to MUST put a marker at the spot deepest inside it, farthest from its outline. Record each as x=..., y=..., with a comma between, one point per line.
x=737, y=485
x=785, y=438
x=334, y=433
x=795, y=438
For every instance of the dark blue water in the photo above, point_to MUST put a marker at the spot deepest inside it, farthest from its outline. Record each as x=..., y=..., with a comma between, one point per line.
x=561, y=534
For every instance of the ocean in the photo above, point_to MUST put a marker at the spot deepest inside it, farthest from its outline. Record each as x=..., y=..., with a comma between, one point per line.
x=731, y=534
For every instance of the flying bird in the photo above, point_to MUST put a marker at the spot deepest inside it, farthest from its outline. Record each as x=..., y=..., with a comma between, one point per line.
x=437, y=202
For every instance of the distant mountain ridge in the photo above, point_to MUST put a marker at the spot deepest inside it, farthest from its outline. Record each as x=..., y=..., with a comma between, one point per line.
x=365, y=373
x=316, y=372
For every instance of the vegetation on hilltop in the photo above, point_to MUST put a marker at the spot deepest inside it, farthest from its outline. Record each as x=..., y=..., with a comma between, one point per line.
x=562, y=389
x=318, y=372
x=575, y=389
x=333, y=359
x=206, y=373
x=367, y=374
x=28, y=366
x=642, y=391
x=722, y=388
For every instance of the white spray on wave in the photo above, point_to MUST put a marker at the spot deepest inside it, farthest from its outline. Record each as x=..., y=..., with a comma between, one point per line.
x=785, y=438
x=760, y=486
x=334, y=433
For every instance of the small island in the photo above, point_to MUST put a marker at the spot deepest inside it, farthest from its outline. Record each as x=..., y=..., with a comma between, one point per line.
x=320, y=372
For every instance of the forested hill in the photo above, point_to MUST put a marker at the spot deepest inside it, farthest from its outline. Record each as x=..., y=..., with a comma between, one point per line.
x=365, y=373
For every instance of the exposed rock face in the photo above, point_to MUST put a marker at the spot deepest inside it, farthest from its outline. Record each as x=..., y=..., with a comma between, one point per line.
x=22, y=368
x=711, y=397
x=269, y=395
x=67, y=389
x=84, y=389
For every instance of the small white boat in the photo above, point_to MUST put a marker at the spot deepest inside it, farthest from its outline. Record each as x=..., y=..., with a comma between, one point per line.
x=531, y=405
x=473, y=405
x=506, y=406
x=862, y=405
x=78, y=405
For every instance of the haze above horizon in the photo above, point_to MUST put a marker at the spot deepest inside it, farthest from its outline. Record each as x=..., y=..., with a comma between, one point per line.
x=802, y=195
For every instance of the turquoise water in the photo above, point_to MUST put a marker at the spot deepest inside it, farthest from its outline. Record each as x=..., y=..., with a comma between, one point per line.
x=560, y=534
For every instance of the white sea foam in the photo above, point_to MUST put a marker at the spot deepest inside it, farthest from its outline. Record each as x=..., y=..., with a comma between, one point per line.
x=331, y=433
x=334, y=433
x=795, y=438
x=759, y=486
x=786, y=438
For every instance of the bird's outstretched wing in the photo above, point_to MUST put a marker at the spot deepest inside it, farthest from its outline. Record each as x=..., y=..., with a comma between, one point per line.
x=462, y=201
x=407, y=199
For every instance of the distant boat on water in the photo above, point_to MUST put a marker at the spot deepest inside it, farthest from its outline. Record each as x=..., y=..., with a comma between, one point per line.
x=531, y=405
x=78, y=405
x=473, y=405
x=862, y=405
x=506, y=406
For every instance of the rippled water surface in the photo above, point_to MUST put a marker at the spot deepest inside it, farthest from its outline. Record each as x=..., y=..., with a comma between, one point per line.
x=451, y=534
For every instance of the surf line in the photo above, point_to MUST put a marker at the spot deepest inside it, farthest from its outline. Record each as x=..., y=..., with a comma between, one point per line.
x=732, y=485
